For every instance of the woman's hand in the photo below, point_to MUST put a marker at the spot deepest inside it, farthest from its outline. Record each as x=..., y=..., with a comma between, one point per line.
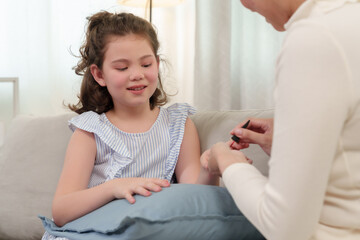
x=127, y=187
x=220, y=156
x=259, y=131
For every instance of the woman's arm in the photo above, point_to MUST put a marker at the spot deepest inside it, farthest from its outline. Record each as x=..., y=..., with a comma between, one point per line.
x=74, y=199
x=188, y=168
x=311, y=97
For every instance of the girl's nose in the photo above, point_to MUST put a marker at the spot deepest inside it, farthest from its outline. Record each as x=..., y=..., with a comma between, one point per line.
x=136, y=76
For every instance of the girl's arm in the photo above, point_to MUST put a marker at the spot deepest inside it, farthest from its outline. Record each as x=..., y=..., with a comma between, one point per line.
x=188, y=168
x=74, y=199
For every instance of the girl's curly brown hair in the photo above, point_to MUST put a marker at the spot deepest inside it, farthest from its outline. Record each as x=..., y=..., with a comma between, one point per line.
x=94, y=97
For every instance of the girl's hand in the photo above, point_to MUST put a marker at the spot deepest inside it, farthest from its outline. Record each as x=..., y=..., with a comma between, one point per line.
x=259, y=131
x=221, y=156
x=127, y=187
x=204, y=159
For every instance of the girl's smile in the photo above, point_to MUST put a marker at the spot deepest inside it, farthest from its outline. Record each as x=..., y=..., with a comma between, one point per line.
x=139, y=89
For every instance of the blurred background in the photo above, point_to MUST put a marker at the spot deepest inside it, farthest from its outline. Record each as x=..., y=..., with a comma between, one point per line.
x=222, y=55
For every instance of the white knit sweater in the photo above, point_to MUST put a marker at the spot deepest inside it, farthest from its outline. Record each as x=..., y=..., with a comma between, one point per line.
x=313, y=188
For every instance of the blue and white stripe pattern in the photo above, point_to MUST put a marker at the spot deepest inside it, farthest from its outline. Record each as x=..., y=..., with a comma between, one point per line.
x=150, y=154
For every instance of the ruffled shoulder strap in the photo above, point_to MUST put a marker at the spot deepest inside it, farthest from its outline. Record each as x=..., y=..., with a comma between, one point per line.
x=102, y=128
x=177, y=114
x=87, y=121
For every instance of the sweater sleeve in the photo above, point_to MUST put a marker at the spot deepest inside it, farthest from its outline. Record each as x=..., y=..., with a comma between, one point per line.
x=311, y=107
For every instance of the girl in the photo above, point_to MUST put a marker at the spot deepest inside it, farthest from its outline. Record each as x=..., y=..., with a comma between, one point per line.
x=123, y=143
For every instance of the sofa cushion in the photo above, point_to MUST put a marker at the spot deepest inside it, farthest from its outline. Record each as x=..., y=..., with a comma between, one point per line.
x=181, y=211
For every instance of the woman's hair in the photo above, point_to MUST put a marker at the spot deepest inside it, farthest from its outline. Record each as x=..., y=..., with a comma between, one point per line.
x=101, y=26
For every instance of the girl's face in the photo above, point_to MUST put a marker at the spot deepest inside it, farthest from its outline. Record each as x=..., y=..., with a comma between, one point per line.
x=130, y=70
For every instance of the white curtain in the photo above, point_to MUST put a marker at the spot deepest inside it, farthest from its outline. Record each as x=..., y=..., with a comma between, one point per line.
x=222, y=55
x=235, y=55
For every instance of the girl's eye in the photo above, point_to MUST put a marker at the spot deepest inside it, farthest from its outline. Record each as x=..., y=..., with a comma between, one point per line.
x=122, y=69
x=147, y=65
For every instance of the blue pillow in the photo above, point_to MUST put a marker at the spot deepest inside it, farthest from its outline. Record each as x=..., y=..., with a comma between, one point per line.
x=181, y=211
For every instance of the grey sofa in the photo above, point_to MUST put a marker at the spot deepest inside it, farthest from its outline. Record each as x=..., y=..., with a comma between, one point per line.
x=31, y=160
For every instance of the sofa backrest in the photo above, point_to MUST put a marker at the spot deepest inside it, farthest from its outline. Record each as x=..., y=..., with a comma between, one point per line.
x=31, y=160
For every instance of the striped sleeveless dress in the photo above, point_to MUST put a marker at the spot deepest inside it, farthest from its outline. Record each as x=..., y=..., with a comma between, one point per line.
x=151, y=154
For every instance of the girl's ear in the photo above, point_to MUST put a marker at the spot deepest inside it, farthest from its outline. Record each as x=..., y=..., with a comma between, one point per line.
x=97, y=74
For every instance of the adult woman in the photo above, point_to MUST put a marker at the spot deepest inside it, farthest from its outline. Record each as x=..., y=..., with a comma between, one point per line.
x=313, y=188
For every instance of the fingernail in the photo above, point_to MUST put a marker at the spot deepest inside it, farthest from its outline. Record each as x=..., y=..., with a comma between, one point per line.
x=238, y=132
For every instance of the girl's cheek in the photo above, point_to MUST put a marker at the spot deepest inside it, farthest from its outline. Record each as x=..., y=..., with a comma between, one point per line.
x=153, y=76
